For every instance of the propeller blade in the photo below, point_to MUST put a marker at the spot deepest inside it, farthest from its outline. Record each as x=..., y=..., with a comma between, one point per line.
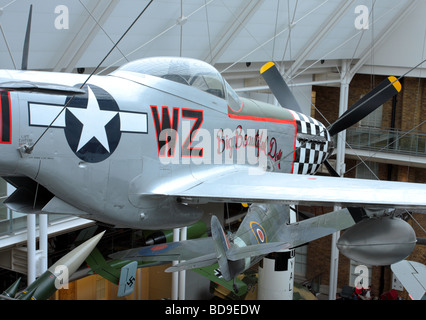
x=26, y=48
x=330, y=169
x=367, y=104
x=278, y=87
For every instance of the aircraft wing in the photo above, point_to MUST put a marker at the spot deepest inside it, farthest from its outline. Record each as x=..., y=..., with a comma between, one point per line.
x=314, y=228
x=412, y=275
x=201, y=252
x=40, y=87
x=242, y=184
x=171, y=251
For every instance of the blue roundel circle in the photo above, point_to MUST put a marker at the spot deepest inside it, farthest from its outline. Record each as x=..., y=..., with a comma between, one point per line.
x=92, y=124
x=258, y=231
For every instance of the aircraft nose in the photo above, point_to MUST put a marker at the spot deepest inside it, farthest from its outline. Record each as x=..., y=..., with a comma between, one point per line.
x=314, y=144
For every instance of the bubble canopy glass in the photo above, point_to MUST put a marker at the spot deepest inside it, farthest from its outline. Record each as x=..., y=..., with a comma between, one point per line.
x=187, y=71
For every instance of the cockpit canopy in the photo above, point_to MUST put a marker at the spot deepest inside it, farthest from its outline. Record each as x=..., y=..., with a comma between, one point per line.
x=187, y=71
x=182, y=70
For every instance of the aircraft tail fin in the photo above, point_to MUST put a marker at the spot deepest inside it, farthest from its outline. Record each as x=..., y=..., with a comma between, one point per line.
x=98, y=264
x=124, y=276
x=127, y=280
x=222, y=246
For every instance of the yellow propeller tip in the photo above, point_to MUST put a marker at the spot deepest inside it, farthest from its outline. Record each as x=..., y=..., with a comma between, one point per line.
x=266, y=66
x=395, y=83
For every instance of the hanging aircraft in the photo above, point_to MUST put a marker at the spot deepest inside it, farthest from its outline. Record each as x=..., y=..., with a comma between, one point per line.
x=265, y=229
x=137, y=147
x=142, y=146
x=412, y=276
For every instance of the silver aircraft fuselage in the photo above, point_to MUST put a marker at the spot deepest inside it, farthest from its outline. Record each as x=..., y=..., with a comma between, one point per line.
x=102, y=154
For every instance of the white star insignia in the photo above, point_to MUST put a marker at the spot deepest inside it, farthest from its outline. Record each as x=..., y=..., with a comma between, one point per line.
x=94, y=121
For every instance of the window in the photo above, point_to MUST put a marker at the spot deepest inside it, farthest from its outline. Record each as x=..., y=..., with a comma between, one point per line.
x=233, y=99
x=301, y=260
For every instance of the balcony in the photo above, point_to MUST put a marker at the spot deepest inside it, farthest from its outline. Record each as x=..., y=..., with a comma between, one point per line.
x=387, y=140
x=387, y=145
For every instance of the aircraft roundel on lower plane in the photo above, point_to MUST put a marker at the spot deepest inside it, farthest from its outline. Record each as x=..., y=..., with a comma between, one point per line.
x=259, y=232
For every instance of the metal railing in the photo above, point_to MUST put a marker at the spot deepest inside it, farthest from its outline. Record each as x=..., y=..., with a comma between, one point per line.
x=11, y=221
x=387, y=140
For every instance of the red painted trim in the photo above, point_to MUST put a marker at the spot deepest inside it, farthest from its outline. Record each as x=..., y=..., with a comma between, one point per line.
x=10, y=119
x=264, y=119
x=273, y=120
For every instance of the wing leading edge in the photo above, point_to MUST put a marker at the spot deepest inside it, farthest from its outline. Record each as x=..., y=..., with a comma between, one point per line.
x=40, y=87
x=242, y=184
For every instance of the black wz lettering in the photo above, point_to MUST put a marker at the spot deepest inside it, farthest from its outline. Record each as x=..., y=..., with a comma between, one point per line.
x=167, y=129
x=187, y=150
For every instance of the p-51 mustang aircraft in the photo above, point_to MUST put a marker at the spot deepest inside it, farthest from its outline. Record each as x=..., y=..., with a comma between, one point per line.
x=137, y=147
x=142, y=146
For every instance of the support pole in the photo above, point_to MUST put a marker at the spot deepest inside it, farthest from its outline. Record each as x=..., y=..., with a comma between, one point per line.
x=182, y=274
x=31, y=248
x=43, y=240
x=340, y=168
x=175, y=275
